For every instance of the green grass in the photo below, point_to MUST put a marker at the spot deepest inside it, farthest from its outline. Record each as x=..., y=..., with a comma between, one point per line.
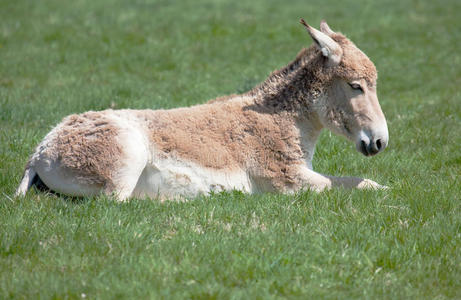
x=62, y=57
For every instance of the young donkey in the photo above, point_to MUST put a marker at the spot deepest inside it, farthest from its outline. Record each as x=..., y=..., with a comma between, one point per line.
x=260, y=141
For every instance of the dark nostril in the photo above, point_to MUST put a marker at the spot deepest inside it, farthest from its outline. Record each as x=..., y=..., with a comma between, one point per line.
x=378, y=144
x=371, y=148
x=363, y=147
x=374, y=147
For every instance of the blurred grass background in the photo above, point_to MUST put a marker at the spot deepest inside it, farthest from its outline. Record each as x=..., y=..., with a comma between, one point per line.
x=62, y=57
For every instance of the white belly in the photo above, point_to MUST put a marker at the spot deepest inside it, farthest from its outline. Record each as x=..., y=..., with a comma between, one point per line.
x=169, y=177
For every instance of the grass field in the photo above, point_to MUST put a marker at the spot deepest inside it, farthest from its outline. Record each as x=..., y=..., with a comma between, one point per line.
x=62, y=57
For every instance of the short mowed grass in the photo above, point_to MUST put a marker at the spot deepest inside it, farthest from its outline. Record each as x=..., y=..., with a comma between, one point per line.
x=63, y=57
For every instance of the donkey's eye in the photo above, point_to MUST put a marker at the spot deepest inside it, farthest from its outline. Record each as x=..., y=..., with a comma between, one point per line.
x=356, y=86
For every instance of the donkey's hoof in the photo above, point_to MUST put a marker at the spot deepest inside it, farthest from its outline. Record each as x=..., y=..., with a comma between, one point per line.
x=370, y=184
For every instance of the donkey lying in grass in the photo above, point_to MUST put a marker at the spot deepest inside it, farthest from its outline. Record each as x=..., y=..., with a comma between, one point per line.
x=260, y=141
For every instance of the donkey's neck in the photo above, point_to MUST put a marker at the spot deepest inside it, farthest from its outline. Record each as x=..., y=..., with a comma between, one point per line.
x=293, y=89
x=293, y=92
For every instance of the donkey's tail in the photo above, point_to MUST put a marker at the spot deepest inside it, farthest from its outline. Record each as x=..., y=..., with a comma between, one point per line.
x=30, y=177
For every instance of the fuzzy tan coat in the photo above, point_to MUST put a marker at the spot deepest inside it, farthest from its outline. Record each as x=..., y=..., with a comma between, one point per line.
x=260, y=141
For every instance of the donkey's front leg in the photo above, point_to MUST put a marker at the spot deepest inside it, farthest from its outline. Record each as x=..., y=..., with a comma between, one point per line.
x=319, y=182
x=355, y=182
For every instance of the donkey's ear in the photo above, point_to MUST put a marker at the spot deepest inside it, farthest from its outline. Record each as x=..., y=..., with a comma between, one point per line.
x=326, y=44
x=325, y=28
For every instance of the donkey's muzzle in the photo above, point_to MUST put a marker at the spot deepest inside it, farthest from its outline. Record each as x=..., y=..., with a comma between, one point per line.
x=371, y=147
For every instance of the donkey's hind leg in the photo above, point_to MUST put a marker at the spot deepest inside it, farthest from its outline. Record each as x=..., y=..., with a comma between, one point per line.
x=70, y=183
x=135, y=157
x=125, y=180
x=121, y=182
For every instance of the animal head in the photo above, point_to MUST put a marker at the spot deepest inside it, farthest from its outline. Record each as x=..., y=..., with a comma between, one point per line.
x=349, y=105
